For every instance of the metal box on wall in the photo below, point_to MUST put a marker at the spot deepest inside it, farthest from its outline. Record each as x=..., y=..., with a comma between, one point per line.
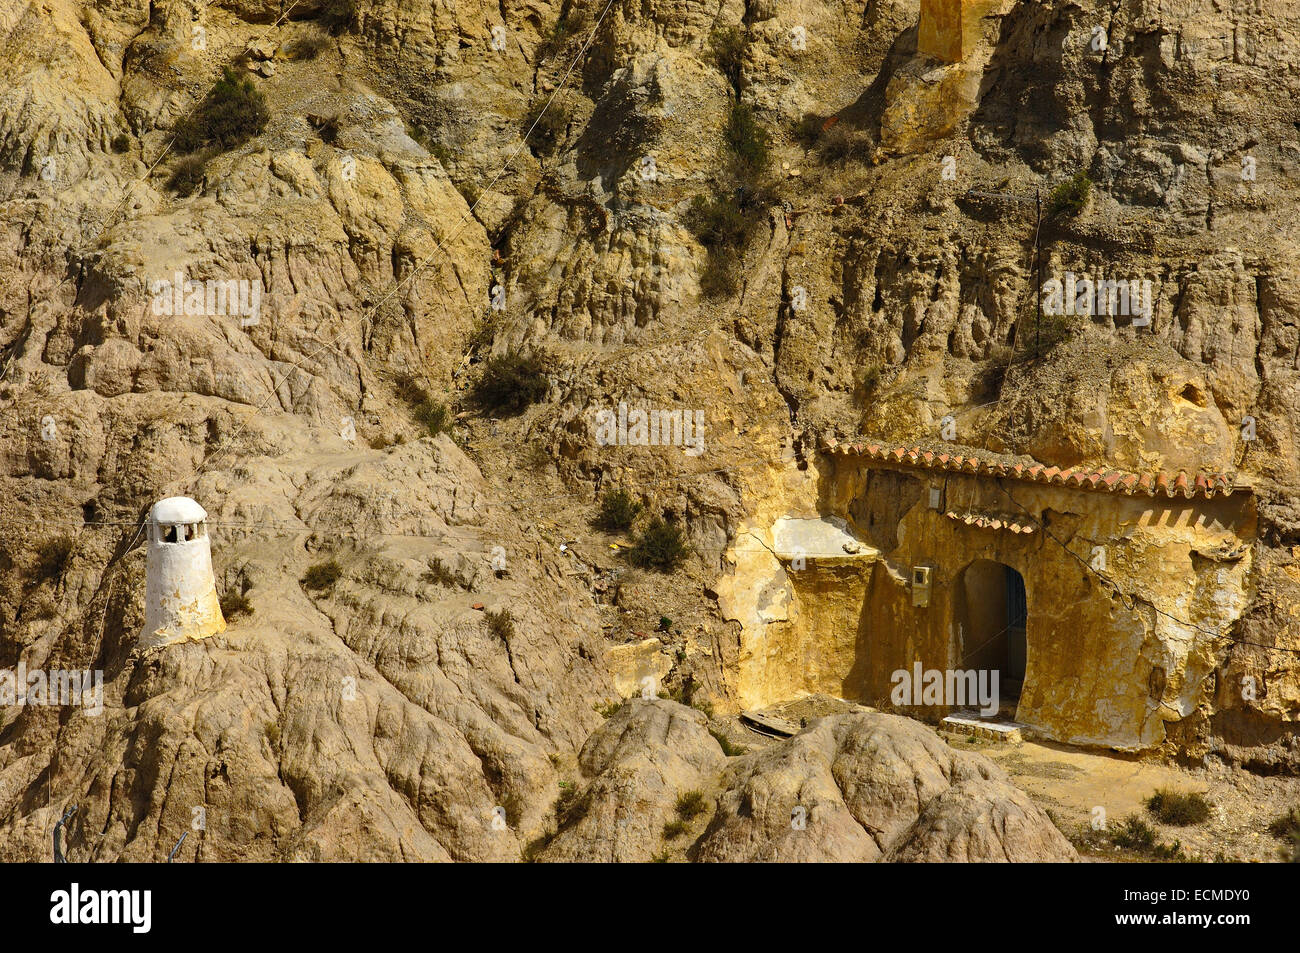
x=920, y=585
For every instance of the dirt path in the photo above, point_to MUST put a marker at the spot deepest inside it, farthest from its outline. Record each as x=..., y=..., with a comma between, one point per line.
x=1072, y=783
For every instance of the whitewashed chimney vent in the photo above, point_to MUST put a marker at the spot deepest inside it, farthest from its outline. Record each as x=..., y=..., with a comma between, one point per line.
x=181, y=602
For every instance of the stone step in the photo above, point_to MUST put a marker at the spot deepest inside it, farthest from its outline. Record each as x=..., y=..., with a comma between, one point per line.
x=769, y=724
x=970, y=723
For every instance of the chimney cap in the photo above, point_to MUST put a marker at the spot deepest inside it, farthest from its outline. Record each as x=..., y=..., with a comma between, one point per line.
x=177, y=509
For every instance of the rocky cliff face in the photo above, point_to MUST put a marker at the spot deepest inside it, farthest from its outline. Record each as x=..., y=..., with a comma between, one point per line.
x=403, y=228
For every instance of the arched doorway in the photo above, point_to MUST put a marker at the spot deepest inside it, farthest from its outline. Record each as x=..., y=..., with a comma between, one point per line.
x=993, y=612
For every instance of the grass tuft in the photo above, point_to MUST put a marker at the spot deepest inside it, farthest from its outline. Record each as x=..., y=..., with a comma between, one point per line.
x=501, y=624
x=728, y=749
x=618, y=511
x=661, y=546
x=1137, y=835
x=511, y=382
x=747, y=140
x=439, y=574
x=187, y=173
x=433, y=416
x=730, y=45
x=674, y=829
x=233, y=112
x=322, y=575
x=1069, y=198
x=1177, y=809
x=52, y=557
x=234, y=604
x=691, y=805
x=309, y=46
x=545, y=125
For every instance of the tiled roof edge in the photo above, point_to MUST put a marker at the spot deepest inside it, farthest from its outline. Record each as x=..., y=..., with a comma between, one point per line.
x=1159, y=483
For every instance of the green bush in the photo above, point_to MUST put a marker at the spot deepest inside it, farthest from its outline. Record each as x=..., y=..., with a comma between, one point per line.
x=501, y=624
x=322, y=575
x=435, y=417
x=484, y=331
x=439, y=574
x=308, y=46
x=1134, y=834
x=728, y=749
x=233, y=112
x=718, y=222
x=729, y=46
x=618, y=511
x=747, y=140
x=570, y=806
x=691, y=805
x=1037, y=337
x=1177, y=809
x=1070, y=197
x=511, y=382
x=52, y=558
x=187, y=173
x=839, y=145
x=234, y=603
x=661, y=546
x=722, y=227
x=1137, y=835
x=674, y=829
x=665, y=623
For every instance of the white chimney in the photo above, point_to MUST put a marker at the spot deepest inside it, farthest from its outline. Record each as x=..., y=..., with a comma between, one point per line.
x=180, y=593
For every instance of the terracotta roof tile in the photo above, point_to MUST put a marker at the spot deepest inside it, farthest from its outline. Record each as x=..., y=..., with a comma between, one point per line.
x=1159, y=483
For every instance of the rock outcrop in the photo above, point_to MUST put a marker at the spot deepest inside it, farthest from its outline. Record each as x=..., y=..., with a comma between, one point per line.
x=436, y=186
x=849, y=788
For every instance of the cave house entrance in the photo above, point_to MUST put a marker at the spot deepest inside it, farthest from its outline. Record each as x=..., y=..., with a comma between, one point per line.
x=993, y=619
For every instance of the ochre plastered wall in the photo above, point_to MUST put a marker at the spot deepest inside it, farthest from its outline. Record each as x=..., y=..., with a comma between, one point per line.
x=1100, y=670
